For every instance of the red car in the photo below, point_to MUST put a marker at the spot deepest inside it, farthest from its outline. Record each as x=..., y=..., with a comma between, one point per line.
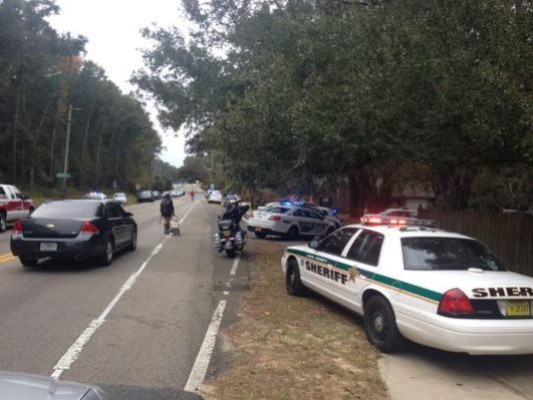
x=13, y=205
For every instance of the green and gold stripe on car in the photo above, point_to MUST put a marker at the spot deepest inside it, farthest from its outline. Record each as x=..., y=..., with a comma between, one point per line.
x=382, y=280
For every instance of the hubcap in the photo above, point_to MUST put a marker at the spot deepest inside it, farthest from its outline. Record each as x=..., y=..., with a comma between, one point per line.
x=292, y=278
x=379, y=323
x=109, y=251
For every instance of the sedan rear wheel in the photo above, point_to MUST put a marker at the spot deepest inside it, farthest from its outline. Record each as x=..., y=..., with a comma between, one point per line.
x=107, y=258
x=133, y=244
x=380, y=325
x=28, y=262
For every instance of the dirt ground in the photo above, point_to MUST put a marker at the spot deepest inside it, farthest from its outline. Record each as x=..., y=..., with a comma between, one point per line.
x=295, y=348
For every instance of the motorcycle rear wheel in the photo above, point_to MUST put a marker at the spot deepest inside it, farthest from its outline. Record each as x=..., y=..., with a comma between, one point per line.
x=230, y=253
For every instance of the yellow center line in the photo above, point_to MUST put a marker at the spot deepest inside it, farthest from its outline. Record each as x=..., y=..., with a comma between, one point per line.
x=6, y=258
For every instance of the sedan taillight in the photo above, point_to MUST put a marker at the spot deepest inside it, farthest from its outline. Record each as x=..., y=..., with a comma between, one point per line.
x=456, y=304
x=89, y=228
x=16, y=232
x=275, y=218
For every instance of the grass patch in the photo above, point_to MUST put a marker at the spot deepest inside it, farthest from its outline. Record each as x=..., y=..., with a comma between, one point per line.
x=295, y=348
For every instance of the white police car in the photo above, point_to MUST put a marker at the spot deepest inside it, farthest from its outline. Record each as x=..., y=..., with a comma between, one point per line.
x=288, y=220
x=435, y=288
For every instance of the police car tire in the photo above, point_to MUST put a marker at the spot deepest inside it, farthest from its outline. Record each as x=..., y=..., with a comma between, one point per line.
x=260, y=235
x=379, y=311
x=293, y=282
x=292, y=233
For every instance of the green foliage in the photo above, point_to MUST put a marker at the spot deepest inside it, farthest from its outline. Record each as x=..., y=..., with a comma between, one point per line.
x=306, y=90
x=193, y=169
x=41, y=74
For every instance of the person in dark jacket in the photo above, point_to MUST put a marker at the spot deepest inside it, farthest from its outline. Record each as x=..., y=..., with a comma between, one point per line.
x=167, y=212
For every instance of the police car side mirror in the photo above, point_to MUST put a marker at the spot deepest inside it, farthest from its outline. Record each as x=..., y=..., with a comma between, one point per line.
x=314, y=243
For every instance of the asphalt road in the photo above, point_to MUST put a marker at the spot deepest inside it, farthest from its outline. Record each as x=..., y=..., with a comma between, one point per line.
x=147, y=344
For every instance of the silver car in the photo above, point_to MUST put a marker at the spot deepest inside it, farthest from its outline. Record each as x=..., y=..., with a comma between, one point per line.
x=16, y=386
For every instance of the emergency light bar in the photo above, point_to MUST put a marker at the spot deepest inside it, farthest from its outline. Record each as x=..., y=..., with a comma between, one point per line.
x=395, y=221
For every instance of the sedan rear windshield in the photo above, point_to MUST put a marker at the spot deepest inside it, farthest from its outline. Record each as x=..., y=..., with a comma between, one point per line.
x=442, y=254
x=67, y=210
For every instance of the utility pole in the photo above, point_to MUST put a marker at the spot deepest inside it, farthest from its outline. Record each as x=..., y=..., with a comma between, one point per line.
x=65, y=174
x=67, y=147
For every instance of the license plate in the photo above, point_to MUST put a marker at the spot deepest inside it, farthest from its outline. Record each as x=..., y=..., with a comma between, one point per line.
x=226, y=233
x=258, y=229
x=518, y=309
x=48, y=246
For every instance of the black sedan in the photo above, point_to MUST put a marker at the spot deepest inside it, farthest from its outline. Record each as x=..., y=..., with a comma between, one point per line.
x=74, y=229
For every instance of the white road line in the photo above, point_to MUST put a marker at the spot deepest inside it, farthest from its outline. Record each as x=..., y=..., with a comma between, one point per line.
x=235, y=265
x=203, y=358
x=75, y=350
x=226, y=293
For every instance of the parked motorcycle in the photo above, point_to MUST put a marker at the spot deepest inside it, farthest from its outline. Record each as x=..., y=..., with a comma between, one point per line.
x=230, y=237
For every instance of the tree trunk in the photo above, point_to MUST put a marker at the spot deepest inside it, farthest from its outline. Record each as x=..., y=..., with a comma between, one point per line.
x=35, y=159
x=15, y=137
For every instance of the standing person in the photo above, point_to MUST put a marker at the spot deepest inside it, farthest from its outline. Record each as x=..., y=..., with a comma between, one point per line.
x=192, y=195
x=167, y=212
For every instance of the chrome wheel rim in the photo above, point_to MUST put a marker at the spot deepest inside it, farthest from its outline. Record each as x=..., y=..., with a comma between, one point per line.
x=379, y=324
x=109, y=251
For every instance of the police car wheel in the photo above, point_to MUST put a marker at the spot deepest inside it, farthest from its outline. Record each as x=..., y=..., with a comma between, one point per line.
x=292, y=234
x=380, y=325
x=133, y=244
x=292, y=280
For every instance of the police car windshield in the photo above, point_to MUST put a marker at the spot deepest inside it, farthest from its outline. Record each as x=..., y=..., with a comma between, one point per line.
x=442, y=254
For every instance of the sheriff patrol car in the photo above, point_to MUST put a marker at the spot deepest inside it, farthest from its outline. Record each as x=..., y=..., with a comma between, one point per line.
x=436, y=288
x=288, y=220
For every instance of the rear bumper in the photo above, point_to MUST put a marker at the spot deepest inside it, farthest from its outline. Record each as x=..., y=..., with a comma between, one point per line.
x=266, y=231
x=79, y=248
x=476, y=337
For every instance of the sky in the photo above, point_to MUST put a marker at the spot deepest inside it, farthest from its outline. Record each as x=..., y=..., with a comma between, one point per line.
x=113, y=30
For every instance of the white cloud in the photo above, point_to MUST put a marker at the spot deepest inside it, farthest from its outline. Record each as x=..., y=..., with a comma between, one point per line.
x=113, y=30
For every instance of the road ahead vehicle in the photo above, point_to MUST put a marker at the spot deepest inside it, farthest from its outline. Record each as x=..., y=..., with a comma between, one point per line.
x=120, y=198
x=74, y=229
x=95, y=196
x=13, y=205
x=18, y=386
x=215, y=197
x=145, y=195
x=289, y=221
x=435, y=288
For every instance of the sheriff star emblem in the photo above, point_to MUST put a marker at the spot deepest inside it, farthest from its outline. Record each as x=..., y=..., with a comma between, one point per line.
x=352, y=275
